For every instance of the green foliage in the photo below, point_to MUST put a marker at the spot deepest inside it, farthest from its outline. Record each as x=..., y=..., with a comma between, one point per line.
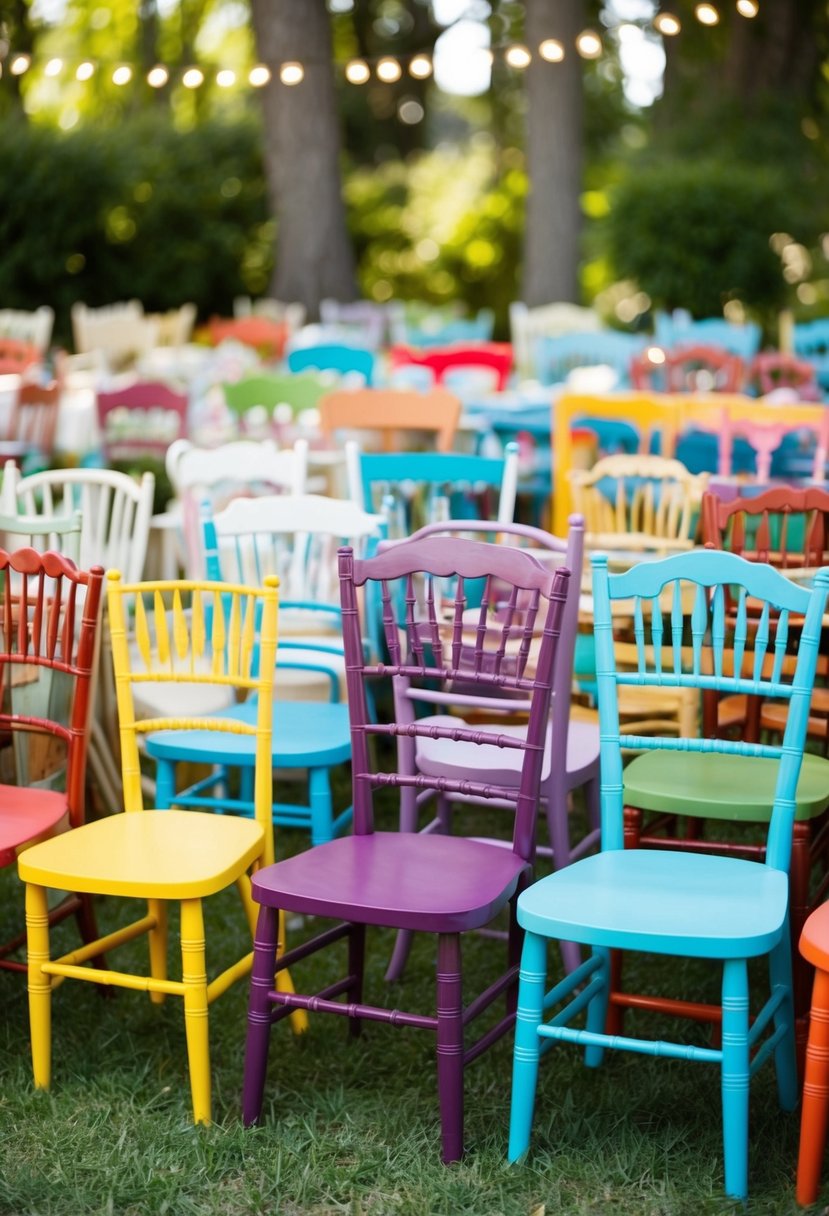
x=694, y=234
x=140, y=211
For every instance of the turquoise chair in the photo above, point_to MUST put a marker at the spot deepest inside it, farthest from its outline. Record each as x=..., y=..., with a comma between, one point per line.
x=333, y=357
x=556, y=357
x=811, y=342
x=738, y=339
x=679, y=903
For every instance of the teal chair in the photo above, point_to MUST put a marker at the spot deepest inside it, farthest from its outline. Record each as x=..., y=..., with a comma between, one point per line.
x=670, y=902
x=333, y=357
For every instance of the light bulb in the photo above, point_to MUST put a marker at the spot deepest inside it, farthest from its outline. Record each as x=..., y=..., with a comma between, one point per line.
x=192, y=78
x=157, y=77
x=551, y=50
x=589, y=44
x=357, y=71
x=518, y=56
x=291, y=73
x=122, y=75
x=259, y=75
x=389, y=70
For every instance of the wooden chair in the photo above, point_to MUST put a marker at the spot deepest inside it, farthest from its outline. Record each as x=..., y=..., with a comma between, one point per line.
x=765, y=438
x=435, y=884
x=392, y=412
x=774, y=370
x=638, y=502
x=267, y=337
x=814, y=948
x=687, y=369
x=547, y=320
x=198, y=633
x=33, y=327
x=140, y=420
x=33, y=424
x=333, y=357
x=173, y=328
x=557, y=357
x=432, y=326
x=739, y=338
x=271, y=392
x=669, y=902
x=494, y=357
x=46, y=628
x=811, y=343
x=120, y=333
x=17, y=357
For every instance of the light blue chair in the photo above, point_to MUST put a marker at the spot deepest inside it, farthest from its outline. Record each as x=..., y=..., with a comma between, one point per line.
x=743, y=339
x=333, y=357
x=556, y=357
x=811, y=342
x=438, y=329
x=679, y=903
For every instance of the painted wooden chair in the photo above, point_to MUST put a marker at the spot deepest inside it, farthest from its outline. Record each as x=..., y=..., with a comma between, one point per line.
x=638, y=502
x=666, y=901
x=364, y=322
x=48, y=642
x=442, y=361
x=333, y=357
x=17, y=357
x=571, y=758
x=774, y=370
x=687, y=369
x=434, y=485
x=391, y=413
x=30, y=438
x=546, y=320
x=430, y=326
x=814, y=948
x=765, y=438
x=266, y=337
x=557, y=357
x=120, y=333
x=199, y=633
x=740, y=338
x=440, y=885
x=142, y=419
x=33, y=326
x=271, y=392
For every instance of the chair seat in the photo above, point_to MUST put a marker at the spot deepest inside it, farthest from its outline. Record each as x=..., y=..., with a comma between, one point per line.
x=446, y=757
x=717, y=786
x=27, y=814
x=440, y=884
x=661, y=901
x=163, y=854
x=306, y=734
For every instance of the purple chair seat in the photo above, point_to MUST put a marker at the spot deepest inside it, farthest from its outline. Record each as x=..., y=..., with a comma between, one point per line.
x=439, y=884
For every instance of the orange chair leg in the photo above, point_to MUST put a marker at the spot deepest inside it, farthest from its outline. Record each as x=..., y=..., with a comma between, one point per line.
x=815, y=1095
x=799, y=875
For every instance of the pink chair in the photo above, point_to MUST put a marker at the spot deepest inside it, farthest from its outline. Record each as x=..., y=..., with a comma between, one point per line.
x=495, y=356
x=776, y=369
x=141, y=420
x=687, y=369
x=766, y=438
x=442, y=885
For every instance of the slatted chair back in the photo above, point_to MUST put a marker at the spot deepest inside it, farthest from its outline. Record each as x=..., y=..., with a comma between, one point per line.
x=195, y=633
x=766, y=437
x=640, y=502
x=723, y=658
x=141, y=419
x=392, y=413
x=773, y=370
x=442, y=361
x=687, y=369
x=334, y=357
x=557, y=357
x=299, y=392
x=33, y=327
x=115, y=510
x=740, y=338
x=34, y=418
x=50, y=618
x=62, y=535
x=784, y=526
x=433, y=642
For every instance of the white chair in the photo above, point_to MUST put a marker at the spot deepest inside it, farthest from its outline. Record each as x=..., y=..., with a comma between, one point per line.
x=120, y=333
x=173, y=328
x=527, y=325
x=33, y=327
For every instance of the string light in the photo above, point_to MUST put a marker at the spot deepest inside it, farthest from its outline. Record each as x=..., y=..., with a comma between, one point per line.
x=85, y=70
x=193, y=78
x=667, y=24
x=259, y=76
x=748, y=8
x=589, y=44
x=53, y=68
x=158, y=76
x=388, y=70
x=292, y=73
x=19, y=64
x=551, y=50
x=518, y=56
x=122, y=75
x=357, y=71
x=420, y=67
x=706, y=14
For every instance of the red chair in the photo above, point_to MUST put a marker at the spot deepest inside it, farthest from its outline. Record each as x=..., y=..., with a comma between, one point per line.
x=776, y=369
x=495, y=356
x=687, y=369
x=264, y=335
x=46, y=664
x=141, y=420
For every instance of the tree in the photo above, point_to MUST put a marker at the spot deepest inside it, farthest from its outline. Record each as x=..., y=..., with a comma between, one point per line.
x=554, y=155
x=302, y=155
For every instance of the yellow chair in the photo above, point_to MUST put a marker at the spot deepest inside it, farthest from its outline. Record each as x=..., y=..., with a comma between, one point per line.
x=185, y=633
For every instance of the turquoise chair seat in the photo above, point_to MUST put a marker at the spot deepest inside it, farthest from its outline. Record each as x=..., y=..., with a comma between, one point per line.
x=308, y=735
x=709, y=785
x=663, y=902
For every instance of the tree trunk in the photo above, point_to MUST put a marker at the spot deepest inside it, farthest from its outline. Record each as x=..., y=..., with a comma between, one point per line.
x=554, y=155
x=314, y=258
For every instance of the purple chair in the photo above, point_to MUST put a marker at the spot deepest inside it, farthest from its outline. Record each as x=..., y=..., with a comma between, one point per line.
x=442, y=885
x=571, y=756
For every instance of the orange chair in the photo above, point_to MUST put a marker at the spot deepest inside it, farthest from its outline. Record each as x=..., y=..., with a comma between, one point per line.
x=814, y=946
x=390, y=412
x=16, y=357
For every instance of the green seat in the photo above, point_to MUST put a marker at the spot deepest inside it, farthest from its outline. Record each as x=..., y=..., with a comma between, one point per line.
x=712, y=785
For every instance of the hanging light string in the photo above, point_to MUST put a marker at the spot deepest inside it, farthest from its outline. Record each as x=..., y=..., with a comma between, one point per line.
x=386, y=68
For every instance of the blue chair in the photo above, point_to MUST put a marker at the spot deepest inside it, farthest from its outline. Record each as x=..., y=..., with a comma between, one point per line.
x=742, y=339
x=677, y=902
x=811, y=342
x=436, y=329
x=296, y=537
x=333, y=357
x=556, y=357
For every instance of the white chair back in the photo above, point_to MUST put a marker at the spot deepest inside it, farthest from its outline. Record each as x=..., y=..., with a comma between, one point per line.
x=33, y=327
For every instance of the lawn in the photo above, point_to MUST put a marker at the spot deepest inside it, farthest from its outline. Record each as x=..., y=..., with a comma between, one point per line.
x=351, y=1126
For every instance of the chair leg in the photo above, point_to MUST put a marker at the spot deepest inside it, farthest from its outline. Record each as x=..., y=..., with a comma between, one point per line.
x=531, y=986
x=616, y=1013
x=815, y=1095
x=87, y=924
x=259, y=1014
x=194, y=977
x=298, y=1017
x=597, y=1009
x=356, y=968
x=450, y=1045
x=322, y=806
x=735, y=1076
x=39, y=984
x=157, y=939
x=785, y=1062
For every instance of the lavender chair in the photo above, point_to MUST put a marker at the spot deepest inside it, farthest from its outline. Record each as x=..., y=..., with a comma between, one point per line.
x=571, y=755
x=404, y=880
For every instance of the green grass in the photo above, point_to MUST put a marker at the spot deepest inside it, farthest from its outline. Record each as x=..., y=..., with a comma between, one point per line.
x=351, y=1126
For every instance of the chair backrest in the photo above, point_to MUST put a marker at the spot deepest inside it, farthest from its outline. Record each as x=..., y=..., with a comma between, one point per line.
x=217, y=634
x=364, y=321
x=785, y=527
x=773, y=370
x=557, y=357
x=116, y=511
x=63, y=535
x=300, y=392
x=333, y=357
x=292, y=536
x=276, y=310
x=265, y=336
x=490, y=658
x=48, y=634
x=34, y=417
x=142, y=418
x=545, y=321
x=695, y=585
x=174, y=328
x=453, y=485
x=766, y=438
x=16, y=356
x=120, y=331
x=433, y=327
x=440, y=360
x=32, y=327
x=687, y=369
x=638, y=501
x=676, y=329
x=390, y=412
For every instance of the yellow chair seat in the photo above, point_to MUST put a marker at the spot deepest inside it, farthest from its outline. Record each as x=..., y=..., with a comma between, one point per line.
x=149, y=854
